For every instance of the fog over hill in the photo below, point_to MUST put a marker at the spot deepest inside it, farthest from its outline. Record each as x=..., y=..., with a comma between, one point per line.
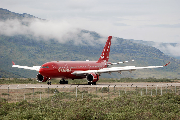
x=28, y=40
x=171, y=49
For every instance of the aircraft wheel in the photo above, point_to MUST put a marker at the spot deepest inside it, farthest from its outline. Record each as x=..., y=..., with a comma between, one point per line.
x=49, y=83
x=63, y=82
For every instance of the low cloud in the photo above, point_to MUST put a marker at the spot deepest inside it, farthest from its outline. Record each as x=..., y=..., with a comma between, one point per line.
x=61, y=31
x=169, y=49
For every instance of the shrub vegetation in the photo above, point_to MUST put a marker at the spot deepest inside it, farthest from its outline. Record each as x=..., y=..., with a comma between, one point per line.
x=166, y=106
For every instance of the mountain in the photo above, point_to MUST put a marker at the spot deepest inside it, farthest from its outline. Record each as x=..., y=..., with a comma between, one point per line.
x=170, y=49
x=6, y=14
x=5, y=74
x=29, y=50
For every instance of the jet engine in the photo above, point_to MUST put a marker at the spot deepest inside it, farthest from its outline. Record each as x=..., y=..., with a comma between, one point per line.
x=92, y=78
x=41, y=78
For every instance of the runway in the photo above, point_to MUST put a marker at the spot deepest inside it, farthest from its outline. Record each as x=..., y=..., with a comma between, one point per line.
x=137, y=84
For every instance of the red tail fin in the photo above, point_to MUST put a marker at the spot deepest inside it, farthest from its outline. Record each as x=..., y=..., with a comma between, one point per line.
x=105, y=53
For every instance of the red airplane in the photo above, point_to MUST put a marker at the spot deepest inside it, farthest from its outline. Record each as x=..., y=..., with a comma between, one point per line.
x=91, y=70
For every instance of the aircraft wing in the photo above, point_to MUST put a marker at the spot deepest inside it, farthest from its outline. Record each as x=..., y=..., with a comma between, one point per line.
x=115, y=69
x=26, y=67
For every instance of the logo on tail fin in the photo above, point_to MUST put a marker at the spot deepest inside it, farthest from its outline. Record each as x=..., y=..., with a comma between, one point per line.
x=105, y=53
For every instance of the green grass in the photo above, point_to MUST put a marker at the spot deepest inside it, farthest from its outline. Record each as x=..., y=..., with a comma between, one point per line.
x=124, y=107
x=18, y=81
x=111, y=80
x=5, y=94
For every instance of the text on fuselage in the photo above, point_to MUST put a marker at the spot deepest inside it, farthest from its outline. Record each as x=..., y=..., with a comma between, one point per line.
x=64, y=70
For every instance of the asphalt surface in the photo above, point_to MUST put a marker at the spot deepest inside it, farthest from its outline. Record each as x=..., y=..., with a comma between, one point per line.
x=140, y=84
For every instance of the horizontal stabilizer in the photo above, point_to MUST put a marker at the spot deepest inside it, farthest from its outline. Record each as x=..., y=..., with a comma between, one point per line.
x=119, y=62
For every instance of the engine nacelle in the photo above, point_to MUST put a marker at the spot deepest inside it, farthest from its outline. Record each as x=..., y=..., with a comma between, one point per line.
x=41, y=78
x=92, y=77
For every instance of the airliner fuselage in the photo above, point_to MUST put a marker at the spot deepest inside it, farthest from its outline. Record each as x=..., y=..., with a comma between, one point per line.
x=63, y=69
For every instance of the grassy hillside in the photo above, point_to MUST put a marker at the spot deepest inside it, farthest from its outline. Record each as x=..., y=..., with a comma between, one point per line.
x=5, y=74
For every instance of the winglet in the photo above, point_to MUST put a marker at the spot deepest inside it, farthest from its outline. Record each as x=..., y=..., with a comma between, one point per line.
x=13, y=63
x=167, y=64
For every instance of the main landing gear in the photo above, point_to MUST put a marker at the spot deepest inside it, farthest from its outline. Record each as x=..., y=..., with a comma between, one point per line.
x=63, y=81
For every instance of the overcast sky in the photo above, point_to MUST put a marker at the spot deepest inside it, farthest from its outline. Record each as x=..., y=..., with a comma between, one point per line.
x=149, y=20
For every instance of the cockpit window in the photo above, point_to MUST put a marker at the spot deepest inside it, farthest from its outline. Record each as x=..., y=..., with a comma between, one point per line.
x=44, y=67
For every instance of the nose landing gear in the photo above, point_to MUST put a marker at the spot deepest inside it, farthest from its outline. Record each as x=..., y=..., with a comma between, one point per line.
x=91, y=83
x=49, y=82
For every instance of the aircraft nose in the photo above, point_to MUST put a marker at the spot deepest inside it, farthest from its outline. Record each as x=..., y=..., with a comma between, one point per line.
x=41, y=71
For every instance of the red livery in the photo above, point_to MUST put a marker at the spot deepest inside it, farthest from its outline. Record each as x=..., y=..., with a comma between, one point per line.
x=91, y=70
